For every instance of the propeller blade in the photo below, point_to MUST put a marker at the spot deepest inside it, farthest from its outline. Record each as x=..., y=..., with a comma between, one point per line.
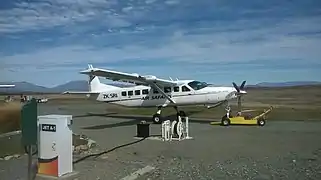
x=236, y=87
x=242, y=85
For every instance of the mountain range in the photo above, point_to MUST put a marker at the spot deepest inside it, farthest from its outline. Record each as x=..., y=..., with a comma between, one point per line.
x=23, y=87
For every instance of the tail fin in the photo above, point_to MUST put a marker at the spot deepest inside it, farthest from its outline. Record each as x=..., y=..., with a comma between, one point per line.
x=95, y=85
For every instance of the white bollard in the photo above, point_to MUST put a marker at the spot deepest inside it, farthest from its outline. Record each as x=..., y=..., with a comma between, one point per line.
x=179, y=129
x=163, y=129
x=187, y=129
x=173, y=129
x=183, y=128
x=166, y=129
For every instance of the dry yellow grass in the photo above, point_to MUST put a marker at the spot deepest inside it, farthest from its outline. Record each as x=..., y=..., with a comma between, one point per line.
x=10, y=117
x=290, y=103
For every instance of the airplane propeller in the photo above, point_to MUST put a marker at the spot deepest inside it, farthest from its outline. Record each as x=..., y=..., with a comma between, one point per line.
x=239, y=92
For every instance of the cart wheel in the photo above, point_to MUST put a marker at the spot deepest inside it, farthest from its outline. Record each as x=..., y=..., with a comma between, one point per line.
x=261, y=122
x=225, y=121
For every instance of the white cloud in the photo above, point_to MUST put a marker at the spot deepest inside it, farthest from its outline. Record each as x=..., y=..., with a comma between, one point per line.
x=172, y=2
x=28, y=16
x=233, y=46
x=127, y=9
x=44, y=14
x=150, y=1
x=231, y=41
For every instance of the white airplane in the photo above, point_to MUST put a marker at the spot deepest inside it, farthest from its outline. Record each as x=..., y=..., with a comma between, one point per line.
x=6, y=85
x=150, y=91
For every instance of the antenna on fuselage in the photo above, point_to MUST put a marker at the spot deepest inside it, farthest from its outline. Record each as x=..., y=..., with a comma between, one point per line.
x=170, y=78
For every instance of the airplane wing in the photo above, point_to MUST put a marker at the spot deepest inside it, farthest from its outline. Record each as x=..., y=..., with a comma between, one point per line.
x=128, y=77
x=6, y=86
x=80, y=92
x=135, y=78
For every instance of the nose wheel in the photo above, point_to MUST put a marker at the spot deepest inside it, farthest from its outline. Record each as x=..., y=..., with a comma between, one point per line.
x=157, y=118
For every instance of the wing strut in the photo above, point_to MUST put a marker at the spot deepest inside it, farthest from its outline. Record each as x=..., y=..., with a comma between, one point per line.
x=161, y=91
x=217, y=104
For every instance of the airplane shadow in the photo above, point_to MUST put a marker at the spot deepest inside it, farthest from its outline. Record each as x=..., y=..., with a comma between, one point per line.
x=134, y=119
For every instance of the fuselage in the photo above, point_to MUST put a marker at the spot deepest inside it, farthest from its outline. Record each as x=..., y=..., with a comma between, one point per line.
x=189, y=93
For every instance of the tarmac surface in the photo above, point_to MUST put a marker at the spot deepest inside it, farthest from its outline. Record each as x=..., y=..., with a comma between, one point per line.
x=279, y=150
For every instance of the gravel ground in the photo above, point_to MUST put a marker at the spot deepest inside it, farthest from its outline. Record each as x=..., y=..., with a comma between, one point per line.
x=279, y=150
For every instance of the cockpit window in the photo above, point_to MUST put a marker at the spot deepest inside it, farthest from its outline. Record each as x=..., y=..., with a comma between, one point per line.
x=197, y=85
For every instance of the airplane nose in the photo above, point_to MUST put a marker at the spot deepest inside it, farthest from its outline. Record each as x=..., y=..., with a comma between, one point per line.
x=243, y=92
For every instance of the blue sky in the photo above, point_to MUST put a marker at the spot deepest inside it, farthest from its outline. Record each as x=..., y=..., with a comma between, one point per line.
x=48, y=42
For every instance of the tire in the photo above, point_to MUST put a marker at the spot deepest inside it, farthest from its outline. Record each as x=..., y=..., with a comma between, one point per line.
x=225, y=121
x=261, y=122
x=157, y=119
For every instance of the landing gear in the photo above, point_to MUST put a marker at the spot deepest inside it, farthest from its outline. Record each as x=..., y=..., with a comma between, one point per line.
x=179, y=113
x=158, y=119
x=228, y=111
x=225, y=121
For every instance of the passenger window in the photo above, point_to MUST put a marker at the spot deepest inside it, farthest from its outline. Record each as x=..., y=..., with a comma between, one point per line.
x=185, y=89
x=176, y=89
x=124, y=93
x=167, y=89
x=137, y=92
x=145, y=91
x=130, y=93
x=155, y=91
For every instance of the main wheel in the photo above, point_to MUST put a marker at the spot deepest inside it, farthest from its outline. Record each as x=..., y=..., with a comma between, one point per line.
x=157, y=119
x=181, y=113
x=225, y=121
x=261, y=122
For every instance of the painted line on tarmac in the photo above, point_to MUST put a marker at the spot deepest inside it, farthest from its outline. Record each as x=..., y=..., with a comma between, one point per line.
x=138, y=173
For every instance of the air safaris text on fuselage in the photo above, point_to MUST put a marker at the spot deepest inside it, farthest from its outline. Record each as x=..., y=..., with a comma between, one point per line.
x=154, y=97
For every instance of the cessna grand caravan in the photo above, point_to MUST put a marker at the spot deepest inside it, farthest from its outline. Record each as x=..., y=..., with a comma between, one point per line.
x=150, y=91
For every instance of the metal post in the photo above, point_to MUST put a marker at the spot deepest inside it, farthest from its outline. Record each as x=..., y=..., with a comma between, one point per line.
x=186, y=127
x=29, y=162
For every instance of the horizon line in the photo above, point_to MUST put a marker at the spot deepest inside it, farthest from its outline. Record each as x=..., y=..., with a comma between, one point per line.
x=270, y=82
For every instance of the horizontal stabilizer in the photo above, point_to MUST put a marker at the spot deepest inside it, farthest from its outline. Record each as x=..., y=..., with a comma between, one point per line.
x=79, y=92
x=7, y=86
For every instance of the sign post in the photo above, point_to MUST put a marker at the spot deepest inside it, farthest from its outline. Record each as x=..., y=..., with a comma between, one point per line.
x=29, y=130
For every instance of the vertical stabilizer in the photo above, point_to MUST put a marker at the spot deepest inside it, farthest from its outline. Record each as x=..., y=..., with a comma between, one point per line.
x=95, y=85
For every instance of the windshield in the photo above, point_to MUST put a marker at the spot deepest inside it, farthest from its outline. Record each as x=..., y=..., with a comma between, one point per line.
x=197, y=85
